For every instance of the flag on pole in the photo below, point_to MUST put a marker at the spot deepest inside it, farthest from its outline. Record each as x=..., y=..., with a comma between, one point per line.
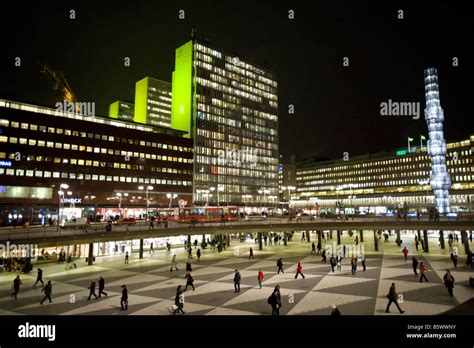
x=409, y=140
x=422, y=137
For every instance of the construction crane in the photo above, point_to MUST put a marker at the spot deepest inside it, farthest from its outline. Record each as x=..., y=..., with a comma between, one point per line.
x=60, y=86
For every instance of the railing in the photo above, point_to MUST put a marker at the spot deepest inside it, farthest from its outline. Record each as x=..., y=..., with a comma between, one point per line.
x=45, y=232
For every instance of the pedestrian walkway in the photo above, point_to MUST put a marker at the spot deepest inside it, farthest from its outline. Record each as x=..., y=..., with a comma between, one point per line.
x=152, y=287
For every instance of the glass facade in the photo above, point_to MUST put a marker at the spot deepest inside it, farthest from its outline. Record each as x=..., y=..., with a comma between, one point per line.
x=385, y=178
x=97, y=157
x=230, y=107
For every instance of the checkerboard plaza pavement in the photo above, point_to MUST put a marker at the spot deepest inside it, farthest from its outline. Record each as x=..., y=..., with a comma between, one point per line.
x=152, y=286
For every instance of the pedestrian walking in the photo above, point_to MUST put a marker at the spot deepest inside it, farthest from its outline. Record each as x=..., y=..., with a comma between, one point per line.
x=92, y=290
x=313, y=248
x=339, y=262
x=356, y=240
x=414, y=264
x=280, y=265
x=417, y=242
x=198, y=254
x=454, y=259
x=423, y=271
x=393, y=298
x=335, y=311
x=39, y=277
x=299, y=270
x=124, y=298
x=102, y=286
x=422, y=245
x=405, y=253
x=179, y=301
x=237, y=279
x=151, y=248
x=353, y=265
x=449, y=282
x=275, y=300
x=16, y=286
x=174, y=263
x=332, y=262
x=260, y=278
x=190, y=252
x=251, y=253
x=189, y=267
x=362, y=260
x=189, y=281
x=323, y=256
x=318, y=247
x=48, y=289
x=126, y=257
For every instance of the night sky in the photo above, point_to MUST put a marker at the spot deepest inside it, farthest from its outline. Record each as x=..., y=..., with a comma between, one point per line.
x=337, y=108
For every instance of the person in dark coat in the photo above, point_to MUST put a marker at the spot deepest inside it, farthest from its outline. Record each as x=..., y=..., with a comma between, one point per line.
x=332, y=262
x=126, y=257
x=179, y=301
x=414, y=264
x=323, y=256
x=198, y=254
x=251, y=253
x=335, y=311
x=449, y=282
x=275, y=300
x=102, y=286
x=48, y=289
x=124, y=298
x=393, y=298
x=280, y=265
x=189, y=281
x=188, y=267
x=39, y=277
x=16, y=286
x=92, y=290
x=237, y=279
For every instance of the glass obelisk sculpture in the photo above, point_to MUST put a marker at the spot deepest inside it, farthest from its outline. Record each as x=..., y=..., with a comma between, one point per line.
x=434, y=116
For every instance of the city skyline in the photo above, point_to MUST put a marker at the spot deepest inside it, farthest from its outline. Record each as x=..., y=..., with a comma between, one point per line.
x=311, y=73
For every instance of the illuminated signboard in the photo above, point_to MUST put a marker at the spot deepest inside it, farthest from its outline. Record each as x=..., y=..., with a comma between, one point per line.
x=71, y=200
x=4, y=163
x=401, y=152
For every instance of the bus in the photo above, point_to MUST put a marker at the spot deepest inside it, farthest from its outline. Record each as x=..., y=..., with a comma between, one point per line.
x=208, y=214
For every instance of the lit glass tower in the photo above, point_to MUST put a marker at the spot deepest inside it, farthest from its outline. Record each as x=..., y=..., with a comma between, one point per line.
x=434, y=115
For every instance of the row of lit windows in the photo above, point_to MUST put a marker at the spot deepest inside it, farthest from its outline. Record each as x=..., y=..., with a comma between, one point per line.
x=221, y=88
x=83, y=162
x=93, y=177
x=231, y=107
x=388, y=169
x=221, y=164
x=101, y=150
x=398, y=160
x=209, y=146
x=154, y=102
x=68, y=132
x=456, y=178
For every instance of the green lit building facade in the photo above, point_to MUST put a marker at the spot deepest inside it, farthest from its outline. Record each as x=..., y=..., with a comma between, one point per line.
x=122, y=110
x=153, y=102
x=230, y=109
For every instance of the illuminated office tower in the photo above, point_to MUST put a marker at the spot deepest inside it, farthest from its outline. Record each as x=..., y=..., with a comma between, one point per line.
x=439, y=179
x=230, y=107
x=153, y=102
x=121, y=110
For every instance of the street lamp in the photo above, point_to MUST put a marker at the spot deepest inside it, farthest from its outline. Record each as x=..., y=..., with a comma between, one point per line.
x=61, y=198
x=119, y=195
x=171, y=196
x=148, y=188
